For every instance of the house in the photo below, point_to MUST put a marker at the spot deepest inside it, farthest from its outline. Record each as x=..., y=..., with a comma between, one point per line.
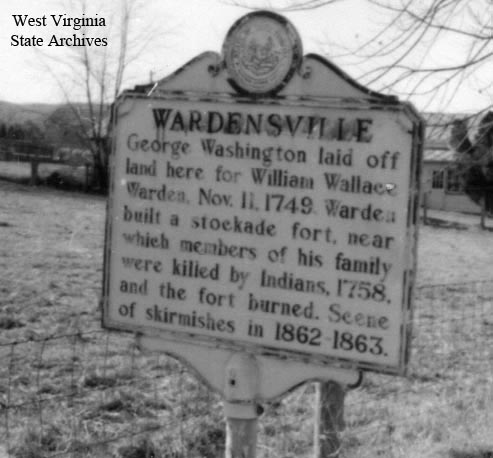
x=442, y=185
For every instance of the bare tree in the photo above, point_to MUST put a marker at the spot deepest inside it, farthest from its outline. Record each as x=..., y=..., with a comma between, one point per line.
x=405, y=52
x=475, y=158
x=91, y=77
x=282, y=5
x=405, y=55
x=407, y=60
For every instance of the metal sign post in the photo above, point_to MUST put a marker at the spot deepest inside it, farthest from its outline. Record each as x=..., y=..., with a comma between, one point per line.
x=245, y=381
x=240, y=405
x=262, y=221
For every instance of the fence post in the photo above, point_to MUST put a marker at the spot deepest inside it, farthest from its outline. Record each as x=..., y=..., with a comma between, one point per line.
x=483, y=211
x=34, y=172
x=329, y=419
x=425, y=207
x=86, y=184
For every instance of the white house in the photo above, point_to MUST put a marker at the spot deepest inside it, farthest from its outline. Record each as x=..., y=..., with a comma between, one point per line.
x=441, y=184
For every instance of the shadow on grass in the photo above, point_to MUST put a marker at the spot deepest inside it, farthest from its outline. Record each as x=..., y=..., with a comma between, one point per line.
x=72, y=191
x=16, y=179
x=443, y=224
x=471, y=454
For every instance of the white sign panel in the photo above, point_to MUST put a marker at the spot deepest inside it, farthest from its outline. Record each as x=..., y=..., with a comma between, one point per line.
x=279, y=228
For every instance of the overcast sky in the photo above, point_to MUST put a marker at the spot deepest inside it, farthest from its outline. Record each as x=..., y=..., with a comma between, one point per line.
x=192, y=26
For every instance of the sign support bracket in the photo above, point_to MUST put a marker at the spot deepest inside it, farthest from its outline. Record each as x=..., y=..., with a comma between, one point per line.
x=245, y=380
x=240, y=406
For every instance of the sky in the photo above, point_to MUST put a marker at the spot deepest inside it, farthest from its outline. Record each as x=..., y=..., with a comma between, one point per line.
x=35, y=74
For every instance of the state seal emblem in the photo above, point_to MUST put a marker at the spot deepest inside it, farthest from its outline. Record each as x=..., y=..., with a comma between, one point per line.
x=261, y=52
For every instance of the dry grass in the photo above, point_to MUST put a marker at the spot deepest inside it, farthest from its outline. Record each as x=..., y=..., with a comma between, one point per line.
x=69, y=389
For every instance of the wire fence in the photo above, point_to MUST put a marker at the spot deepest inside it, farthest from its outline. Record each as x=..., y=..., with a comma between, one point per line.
x=93, y=393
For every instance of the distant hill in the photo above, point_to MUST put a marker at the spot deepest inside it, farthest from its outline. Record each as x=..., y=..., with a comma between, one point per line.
x=12, y=113
x=46, y=116
x=57, y=122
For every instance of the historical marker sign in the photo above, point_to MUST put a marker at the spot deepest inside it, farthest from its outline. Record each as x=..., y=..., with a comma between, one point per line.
x=285, y=227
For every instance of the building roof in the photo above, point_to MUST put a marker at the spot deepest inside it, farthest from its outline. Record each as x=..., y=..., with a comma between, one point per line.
x=439, y=155
x=437, y=131
x=438, y=134
x=439, y=125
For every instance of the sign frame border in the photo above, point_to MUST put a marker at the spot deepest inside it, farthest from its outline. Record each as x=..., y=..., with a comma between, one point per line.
x=411, y=239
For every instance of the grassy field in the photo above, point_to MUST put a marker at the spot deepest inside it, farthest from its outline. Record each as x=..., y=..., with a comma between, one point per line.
x=69, y=389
